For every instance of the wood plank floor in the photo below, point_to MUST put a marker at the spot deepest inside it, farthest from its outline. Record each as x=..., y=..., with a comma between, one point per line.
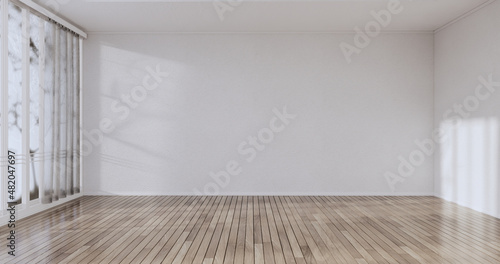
x=246, y=229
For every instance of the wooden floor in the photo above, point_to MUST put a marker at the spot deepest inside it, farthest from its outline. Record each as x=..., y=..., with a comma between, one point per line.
x=186, y=229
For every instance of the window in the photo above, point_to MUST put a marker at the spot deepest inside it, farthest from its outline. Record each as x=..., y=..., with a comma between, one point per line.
x=40, y=107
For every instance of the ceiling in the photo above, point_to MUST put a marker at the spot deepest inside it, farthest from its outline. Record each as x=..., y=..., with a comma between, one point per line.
x=253, y=16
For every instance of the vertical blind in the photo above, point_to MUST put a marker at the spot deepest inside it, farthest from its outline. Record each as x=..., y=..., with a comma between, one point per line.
x=40, y=112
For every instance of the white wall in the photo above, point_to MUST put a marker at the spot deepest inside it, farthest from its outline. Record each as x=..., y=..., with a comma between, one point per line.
x=352, y=121
x=467, y=165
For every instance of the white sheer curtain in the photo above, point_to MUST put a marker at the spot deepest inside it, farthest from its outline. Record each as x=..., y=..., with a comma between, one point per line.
x=41, y=102
x=62, y=113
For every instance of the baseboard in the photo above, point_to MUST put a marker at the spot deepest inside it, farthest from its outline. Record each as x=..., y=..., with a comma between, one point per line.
x=102, y=193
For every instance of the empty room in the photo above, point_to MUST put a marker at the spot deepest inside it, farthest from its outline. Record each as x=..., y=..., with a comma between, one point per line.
x=250, y=131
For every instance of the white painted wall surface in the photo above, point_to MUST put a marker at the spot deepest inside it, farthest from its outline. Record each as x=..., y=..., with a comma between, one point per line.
x=352, y=121
x=467, y=163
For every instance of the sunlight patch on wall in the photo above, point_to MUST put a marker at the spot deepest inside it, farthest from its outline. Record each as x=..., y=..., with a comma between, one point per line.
x=469, y=163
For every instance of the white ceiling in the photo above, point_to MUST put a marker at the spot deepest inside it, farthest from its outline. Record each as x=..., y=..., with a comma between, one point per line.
x=253, y=16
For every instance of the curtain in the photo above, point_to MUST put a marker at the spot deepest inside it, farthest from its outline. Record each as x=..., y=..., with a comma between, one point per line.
x=62, y=113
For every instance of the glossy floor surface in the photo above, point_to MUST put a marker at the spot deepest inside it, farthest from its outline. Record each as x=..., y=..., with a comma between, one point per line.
x=245, y=229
